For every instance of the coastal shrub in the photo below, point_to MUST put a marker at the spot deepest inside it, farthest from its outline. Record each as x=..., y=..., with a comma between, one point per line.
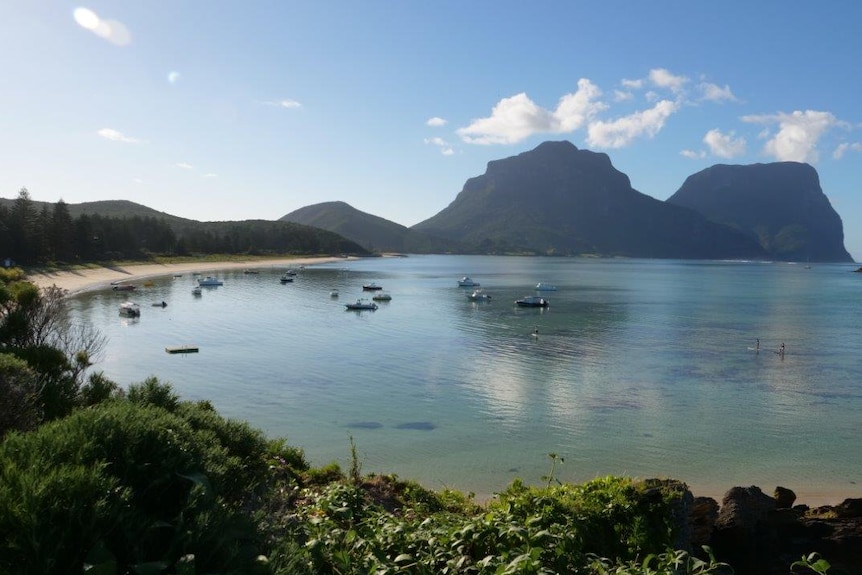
x=147, y=486
x=153, y=392
x=19, y=402
x=97, y=389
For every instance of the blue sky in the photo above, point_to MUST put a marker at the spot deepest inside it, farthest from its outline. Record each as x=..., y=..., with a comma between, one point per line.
x=229, y=110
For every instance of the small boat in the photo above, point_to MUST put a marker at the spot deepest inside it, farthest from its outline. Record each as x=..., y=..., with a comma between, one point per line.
x=149, y=283
x=290, y=272
x=252, y=272
x=372, y=287
x=333, y=293
x=197, y=290
x=130, y=309
x=466, y=281
x=361, y=305
x=210, y=281
x=545, y=287
x=478, y=295
x=182, y=349
x=124, y=287
x=532, y=301
x=285, y=279
x=160, y=304
x=381, y=296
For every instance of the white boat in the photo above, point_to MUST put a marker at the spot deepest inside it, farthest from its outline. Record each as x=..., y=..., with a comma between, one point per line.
x=478, y=295
x=466, y=281
x=197, y=290
x=372, y=287
x=210, y=281
x=545, y=287
x=130, y=309
x=532, y=301
x=333, y=293
x=361, y=305
x=286, y=278
x=382, y=296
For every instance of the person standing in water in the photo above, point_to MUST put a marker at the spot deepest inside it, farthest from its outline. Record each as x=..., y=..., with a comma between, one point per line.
x=781, y=350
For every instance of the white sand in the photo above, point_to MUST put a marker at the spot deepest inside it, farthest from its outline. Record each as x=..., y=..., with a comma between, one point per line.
x=79, y=280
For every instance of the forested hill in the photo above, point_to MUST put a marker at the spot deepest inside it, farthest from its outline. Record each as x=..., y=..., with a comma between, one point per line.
x=372, y=232
x=34, y=233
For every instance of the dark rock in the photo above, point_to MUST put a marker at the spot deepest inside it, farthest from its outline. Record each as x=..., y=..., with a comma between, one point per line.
x=701, y=521
x=784, y=498
x=849, y=508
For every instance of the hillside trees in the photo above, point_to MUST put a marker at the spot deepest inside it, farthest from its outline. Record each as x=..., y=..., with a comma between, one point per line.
x=35, y=233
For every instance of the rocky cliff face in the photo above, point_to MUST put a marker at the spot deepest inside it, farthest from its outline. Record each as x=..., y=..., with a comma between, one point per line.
x=779, y=204
x=557, y=199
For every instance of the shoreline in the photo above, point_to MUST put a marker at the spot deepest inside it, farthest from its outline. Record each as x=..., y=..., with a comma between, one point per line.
x=75, y=281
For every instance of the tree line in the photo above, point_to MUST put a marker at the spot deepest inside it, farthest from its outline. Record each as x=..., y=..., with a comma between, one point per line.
x=34, y=233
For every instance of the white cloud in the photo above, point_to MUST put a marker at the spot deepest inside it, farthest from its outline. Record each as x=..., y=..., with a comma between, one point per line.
x=115, y=136
x=715, y=93
x=692, y=155
x=210, y=175
x=286, y=103
x=111, y=30
x=798, y=133
x=516, y=118
x=632, y=84
x=662, y=78
x=622, y=96
x=622, y=131
x=436, y=122
x=842, y=148
x=173, y=77
x=445, y=147
x=184, y=166
x=723, y=145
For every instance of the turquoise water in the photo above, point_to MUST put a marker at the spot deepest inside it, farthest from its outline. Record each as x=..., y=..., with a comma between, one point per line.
x=641, y=367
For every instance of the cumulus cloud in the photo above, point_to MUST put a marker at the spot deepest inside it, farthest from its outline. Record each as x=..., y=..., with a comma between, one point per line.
x=622, y=131
x=113, y=31
x=797, y=135
x=436, y=122
x=622, y=96
x=715, y=93
x=632, y=84
x=115, y=136
x=516, y=118
x=724, y=145
x=843, y=148
x=662, y=78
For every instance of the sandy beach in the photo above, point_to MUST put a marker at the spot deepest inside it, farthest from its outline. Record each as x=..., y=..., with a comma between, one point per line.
x=78, y=280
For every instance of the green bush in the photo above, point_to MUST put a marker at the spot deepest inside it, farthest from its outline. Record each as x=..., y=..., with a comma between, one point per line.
x=137, y=483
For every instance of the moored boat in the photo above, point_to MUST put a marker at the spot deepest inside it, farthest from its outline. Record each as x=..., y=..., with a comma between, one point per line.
x=541, y=286
x=372, y=287
x=478, y=295
x=361, y=305
x=381, y=296
x=467, y=281
x=130, y=309
x=210, y=281
x=532, y=301
x=124, y=287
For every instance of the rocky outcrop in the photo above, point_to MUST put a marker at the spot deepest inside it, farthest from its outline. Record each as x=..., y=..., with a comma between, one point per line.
x=780, y=204
x=762, y=535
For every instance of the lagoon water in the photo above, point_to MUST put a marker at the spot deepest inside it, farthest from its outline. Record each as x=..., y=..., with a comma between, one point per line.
x=642, y=368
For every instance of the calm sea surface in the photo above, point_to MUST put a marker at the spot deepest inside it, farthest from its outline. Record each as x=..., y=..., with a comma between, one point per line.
x=641, y=368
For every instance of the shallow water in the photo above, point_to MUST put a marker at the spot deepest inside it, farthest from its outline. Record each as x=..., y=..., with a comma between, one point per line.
x=643, y=368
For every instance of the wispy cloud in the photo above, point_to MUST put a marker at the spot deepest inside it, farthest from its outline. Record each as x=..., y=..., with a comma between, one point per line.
x=724, y=145
x=632, y=84
x=443, y=145
x=622, y=131
x=115, y=136
x=113, y=31
x=516, y=118
x=692, y=155
x=715, y=93
x=843, y=148
x=209, y=175
x=173, y=77
x=285, y=103
x=436, y=122
x=797, y=135
x=184, y=166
